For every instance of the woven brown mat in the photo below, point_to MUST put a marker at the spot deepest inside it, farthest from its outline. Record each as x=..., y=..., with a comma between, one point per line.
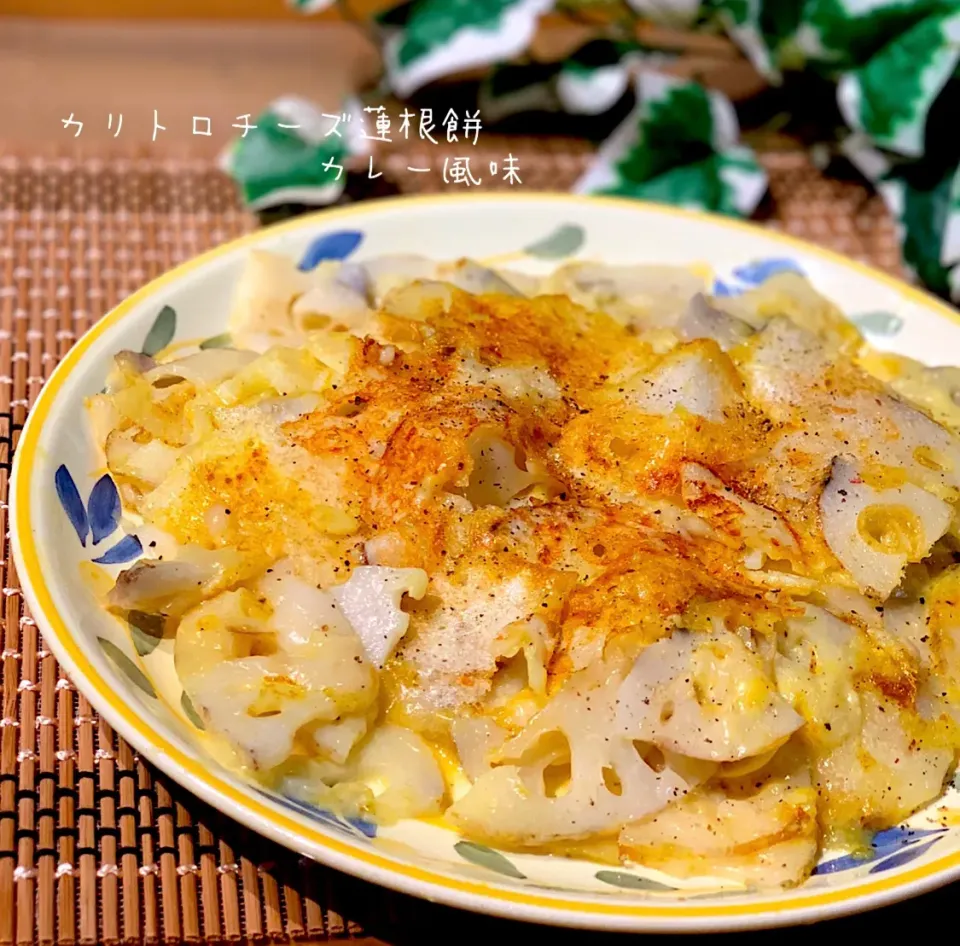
x=95, y=845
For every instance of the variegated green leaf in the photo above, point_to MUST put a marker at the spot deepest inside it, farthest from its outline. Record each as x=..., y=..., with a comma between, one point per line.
x=598, y=75
x=923, y=197
x=831, y=36
x=890, y=96
x=782, y=26
x=845, y=34
x=442, y=37
x=592, y=90
x=714, y=184
x=743, y=178
x=589, y=82
x=678, y=147
x=305, y=164
x=742, y=21
x=950, y=242
x=921, y=212
x=771, y=33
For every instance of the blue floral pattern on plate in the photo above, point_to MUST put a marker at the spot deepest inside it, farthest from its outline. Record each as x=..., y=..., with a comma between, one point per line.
x=98, y=518
x=336, y=245
x=750, y=275
x=355, y=828
x=891, y=848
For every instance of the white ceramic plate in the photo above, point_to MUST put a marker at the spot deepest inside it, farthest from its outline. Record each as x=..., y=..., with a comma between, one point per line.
x=54, y=506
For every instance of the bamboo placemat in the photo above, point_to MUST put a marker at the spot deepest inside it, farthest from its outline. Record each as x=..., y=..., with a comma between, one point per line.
x=95, y=845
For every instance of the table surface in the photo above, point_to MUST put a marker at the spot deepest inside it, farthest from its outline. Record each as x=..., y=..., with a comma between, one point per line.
x=95, y=846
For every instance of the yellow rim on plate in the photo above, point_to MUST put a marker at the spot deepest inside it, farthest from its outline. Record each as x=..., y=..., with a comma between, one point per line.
x=361, y=861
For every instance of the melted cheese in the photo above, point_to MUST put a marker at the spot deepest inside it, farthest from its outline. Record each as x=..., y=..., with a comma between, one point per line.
x=593, y=562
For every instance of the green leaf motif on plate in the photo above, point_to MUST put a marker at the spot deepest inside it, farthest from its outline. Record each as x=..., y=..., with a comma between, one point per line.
x=619, y=878
x=190, y=711
x=484, y=856
x=161, y=332
x=127, y=666
x=146, y=631
x=217, y=341
x=879, y=323
x=564, y=241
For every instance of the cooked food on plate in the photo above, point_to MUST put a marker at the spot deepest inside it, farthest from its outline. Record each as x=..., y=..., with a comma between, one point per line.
x=592, y=564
